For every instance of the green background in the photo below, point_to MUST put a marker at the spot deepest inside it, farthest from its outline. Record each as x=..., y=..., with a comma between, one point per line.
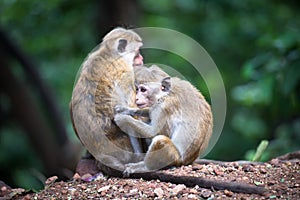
x=255, y=45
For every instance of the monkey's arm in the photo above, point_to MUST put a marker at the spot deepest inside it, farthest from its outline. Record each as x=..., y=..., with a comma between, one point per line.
x=132, y=111
x=138, y=128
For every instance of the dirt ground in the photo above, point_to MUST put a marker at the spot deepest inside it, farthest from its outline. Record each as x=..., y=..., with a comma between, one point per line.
x=280, y=177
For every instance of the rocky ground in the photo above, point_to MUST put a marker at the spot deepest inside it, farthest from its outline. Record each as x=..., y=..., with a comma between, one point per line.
x=280, y=177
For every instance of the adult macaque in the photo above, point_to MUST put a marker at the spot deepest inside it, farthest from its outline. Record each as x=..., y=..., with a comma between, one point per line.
x=106, y=79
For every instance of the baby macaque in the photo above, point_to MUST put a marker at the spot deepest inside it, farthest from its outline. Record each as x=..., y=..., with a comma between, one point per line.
x=179, y=129
x=180, y=123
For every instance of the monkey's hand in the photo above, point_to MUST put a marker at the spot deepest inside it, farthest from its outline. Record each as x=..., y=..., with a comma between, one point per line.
x=125, y=110
x=134, y=112
x=121, y=109
x=123, y=122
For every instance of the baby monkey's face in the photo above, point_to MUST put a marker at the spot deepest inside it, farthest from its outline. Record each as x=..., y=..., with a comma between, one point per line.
x=148, y=94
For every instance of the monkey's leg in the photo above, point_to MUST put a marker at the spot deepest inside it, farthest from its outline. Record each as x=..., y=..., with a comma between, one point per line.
x=135, y=141
x=136, y=144
x=161, y=153
x=109, y=161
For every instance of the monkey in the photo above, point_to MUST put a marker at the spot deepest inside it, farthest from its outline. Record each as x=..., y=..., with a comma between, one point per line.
x=180, y=123
x=160, y=101
x=92, y=103
x=106, y=79
x=119, y=159
x=145, y=74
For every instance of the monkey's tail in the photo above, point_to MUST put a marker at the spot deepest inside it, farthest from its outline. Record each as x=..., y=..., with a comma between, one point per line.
x=191, y=181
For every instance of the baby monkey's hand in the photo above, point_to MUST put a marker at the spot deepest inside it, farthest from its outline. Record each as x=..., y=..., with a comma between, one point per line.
x=121, y=109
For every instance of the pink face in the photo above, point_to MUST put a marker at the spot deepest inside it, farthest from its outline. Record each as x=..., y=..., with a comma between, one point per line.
x=138, y=59
x=141, y=98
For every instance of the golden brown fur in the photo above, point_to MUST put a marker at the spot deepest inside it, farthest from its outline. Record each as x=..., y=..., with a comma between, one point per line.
x=181, y=125
x=106, y=79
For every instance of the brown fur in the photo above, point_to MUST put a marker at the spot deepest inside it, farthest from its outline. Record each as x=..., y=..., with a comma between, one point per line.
x=106, y=79
x=181, y=126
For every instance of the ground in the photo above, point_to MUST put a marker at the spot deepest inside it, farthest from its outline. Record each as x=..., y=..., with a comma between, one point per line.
x=280, y=177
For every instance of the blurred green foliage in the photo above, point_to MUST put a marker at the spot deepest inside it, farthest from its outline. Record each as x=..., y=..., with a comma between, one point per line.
x=255, y=45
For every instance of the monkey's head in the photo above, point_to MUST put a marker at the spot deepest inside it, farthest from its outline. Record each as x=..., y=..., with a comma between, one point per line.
x=152, y=93
x=148, y=74
x=124, y=43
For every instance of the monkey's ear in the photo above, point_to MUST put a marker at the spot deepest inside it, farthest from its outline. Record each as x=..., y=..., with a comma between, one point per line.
x=122, y=45
x=166, y=84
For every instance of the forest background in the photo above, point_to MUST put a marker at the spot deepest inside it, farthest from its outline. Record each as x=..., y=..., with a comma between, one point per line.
x=255, y=45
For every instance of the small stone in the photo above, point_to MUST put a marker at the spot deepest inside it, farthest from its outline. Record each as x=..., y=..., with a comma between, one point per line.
x=51, y=180
x=194, y=191
x=27, y=197
x=247, y=168
x=228, y=193
x=178, y=189
x=288, y=163
x=64, y=191
x=196, y=167
x=218, y=171
x=4, y=188
x=268, y=165
x=206, y=194
x=83, y=187
x=192, y=196
x=271, y=182
x=133, y=191
x=72, y=191
x=105, y=188
x=159, y=192
x=263, y=171
x=274, y=162
x=86, y=177
x=99, y=176
x=230, y=169
x=235, y=165
x=76, y=176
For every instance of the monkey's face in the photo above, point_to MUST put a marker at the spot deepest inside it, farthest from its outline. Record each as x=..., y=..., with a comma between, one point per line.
x=126, y=44
x=138, y=59
x=150, y=93
x=132, y=52
x=143, y=96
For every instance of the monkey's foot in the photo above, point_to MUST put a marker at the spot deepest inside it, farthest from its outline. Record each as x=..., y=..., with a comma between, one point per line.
x=131, y=168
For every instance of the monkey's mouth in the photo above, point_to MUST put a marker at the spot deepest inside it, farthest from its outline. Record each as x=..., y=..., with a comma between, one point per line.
x=141, y=105
x=138, y=59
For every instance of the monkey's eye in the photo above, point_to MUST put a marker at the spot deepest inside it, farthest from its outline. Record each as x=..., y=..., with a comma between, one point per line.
x=143, y=89
x=163, y=88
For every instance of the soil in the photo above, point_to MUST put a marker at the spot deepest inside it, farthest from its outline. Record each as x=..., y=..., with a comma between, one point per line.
x=280, y=177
